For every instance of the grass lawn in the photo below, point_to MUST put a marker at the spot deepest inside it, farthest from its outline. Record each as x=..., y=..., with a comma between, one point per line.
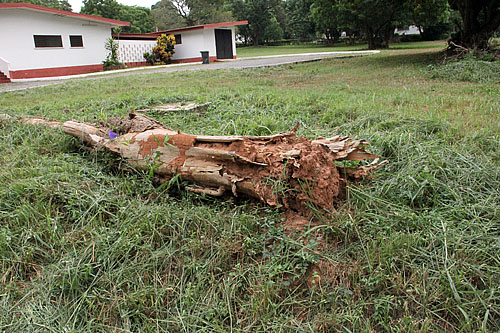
x=87, y=246
x=255, y=51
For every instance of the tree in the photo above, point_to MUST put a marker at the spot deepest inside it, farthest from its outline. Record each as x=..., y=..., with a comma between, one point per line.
x=428, y=13
x=103, y=8
x=273, y=30
x=300, y=23
x=139, y=17
x=261, y=19
x=165, y=15
x=58, y=4
x=195, y=12
x=377, y=18
x=479, y=21
x=326, y=15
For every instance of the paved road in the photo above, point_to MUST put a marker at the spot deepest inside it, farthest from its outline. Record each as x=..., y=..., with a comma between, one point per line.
x=242, y=63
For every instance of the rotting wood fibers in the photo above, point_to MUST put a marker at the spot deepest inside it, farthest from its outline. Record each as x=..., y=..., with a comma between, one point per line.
x=281, y=170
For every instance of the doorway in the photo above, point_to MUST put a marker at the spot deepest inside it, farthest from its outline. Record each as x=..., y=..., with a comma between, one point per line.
x=224, y=44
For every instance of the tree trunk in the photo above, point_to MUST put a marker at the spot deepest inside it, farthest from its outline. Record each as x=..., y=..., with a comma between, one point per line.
x=480, y=20
x=370, y=39
x=280, y=170
x=388, y=35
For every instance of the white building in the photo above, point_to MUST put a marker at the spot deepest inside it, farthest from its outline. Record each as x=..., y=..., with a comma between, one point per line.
x=218, y=39
x=37, y=41
x=407, y=31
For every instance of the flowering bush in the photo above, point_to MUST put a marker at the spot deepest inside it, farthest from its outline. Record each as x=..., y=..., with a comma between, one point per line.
x=164, y=49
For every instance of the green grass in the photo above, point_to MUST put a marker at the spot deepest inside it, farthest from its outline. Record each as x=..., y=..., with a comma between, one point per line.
x=473, y=70
x=87, y=246
x=255, y=51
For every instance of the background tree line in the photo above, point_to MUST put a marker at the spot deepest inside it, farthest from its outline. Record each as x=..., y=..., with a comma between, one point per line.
x=472, y=22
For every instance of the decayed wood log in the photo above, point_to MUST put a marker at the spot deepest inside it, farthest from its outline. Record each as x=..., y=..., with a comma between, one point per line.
x=280, y=170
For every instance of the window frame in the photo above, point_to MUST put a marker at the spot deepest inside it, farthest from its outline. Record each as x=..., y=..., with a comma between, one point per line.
x=71, y=43
x=178, y=39
x=36, y=40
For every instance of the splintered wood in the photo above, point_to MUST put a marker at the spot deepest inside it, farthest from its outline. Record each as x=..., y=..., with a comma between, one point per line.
x=281, y=170
x=177, y=107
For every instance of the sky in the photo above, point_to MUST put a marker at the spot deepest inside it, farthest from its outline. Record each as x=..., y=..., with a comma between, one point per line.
x=77, y=4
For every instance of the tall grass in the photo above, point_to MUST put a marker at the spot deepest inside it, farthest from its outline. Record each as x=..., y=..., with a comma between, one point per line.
x=468, y=69
x=88, y=246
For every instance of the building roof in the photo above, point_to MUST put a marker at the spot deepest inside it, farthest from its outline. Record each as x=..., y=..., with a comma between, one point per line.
x=132, y=36
x=154, y=35
x=59, y=12
x=200, y=27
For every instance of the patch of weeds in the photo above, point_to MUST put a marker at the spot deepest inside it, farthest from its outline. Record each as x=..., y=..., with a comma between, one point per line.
x=88, y=246
x=468, y=69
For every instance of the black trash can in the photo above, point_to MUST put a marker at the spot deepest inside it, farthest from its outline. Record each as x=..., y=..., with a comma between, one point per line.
x=204, y=57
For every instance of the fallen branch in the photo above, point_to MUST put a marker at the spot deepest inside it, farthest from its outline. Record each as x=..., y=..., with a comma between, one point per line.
x=280, y=170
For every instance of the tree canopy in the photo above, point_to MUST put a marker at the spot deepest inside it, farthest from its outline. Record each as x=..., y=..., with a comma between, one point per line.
x=140, y=18
x=262, y=21
x=299, y=23
x=195, y=12
x=166, y=16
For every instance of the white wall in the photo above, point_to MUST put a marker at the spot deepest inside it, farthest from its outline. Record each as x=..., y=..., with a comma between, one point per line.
x=193, y=42
x=210, y=39
x=5, y=67
x=199, y=40
x=17, y=27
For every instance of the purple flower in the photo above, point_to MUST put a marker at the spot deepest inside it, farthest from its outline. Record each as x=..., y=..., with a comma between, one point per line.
x=112, y=134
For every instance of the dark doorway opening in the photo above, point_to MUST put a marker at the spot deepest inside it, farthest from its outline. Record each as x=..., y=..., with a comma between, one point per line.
x=224, y=44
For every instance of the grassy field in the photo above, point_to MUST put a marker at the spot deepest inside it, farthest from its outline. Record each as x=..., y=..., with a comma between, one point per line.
x=87, y=246
x=254, y=51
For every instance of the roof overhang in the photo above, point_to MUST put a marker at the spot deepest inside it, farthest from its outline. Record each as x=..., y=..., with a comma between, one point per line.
x=200, y=27
x=59, y=12
x=132, y=36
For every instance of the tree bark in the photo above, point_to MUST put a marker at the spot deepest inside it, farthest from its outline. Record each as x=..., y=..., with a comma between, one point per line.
x=480, y=20
x=281, y=170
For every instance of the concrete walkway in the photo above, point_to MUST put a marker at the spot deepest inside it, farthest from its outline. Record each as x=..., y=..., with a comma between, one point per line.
x=242, y=63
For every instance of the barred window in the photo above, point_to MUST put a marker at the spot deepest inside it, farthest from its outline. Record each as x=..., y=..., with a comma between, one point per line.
x=178, y=39
x=48, y=40
x=76, y=41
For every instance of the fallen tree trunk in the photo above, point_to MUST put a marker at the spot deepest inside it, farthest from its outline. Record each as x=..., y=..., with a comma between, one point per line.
x=281, y=170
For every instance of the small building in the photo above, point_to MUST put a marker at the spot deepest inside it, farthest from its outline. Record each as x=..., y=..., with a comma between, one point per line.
x=407, y=31
x=37, y=41
x=218, y=39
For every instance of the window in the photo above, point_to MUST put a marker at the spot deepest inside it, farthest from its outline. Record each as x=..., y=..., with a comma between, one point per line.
x=76, y=41
x=48, y=41
x=178, y=39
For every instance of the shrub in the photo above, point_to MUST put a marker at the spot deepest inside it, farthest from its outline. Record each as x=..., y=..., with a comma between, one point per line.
x=149, y=58
x=163, y=51
x=111, y=60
